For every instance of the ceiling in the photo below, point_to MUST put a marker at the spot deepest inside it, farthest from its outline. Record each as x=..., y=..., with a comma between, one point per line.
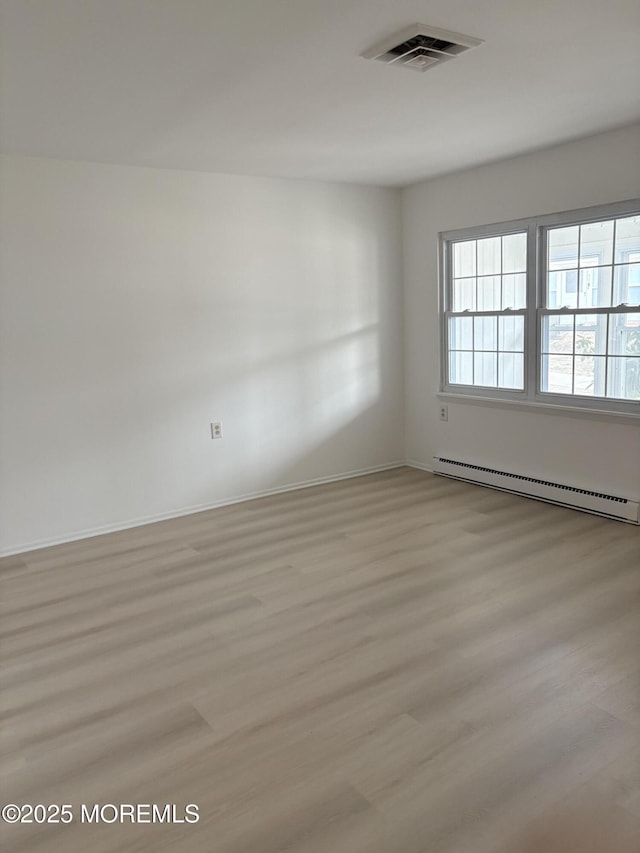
x=277, y=87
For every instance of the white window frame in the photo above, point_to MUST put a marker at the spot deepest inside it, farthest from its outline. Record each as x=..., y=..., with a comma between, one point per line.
x=532, y=394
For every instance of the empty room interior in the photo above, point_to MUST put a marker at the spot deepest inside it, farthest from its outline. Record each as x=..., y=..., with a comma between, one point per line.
x=320, y=426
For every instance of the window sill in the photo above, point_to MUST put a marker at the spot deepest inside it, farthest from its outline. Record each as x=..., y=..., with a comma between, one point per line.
x=536, y=407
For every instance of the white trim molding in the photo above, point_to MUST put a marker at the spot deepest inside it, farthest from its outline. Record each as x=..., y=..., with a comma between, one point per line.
x=76, y=536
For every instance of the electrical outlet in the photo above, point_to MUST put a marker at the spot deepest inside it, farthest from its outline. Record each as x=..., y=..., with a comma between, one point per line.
x=216, y=429
x=444, y=413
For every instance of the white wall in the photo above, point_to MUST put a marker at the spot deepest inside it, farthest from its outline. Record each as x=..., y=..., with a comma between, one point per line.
x=138, y=305
x=595, y=454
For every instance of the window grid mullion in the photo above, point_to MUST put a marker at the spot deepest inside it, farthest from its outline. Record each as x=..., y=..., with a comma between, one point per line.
x=473, y=345
x=476, y=268
x=569, y=312
x=578, y=268
x=613, y=266
x=535, y=248
x=500, y=303
x=506, y=312
x=573, y=358
x=606, y=356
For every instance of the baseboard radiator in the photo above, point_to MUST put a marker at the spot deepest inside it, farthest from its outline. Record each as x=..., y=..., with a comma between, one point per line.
x=610, y=506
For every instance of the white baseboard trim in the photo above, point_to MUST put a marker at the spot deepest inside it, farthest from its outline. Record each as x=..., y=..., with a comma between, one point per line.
x=25, y=547
x=410, y=463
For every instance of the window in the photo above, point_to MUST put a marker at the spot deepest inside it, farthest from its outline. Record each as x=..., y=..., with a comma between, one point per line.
x=545, y=310
x=486, y=326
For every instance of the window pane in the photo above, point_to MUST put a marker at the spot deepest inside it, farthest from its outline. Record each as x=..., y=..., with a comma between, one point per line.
x=464, y=258
x=489, y=256
x=626, y=288
x=552, y=291
x=627, y=237
x=591, y=334
x=485, y=331
x=624, y=334
x=557, y=333
x=563, y=245
x=511, y=370
x=461, y=368
x=464, y=294
x=595, y=287
x=596, y=243
x=461, y=333
x=514, y=291
x=511, y=334
x=485, y=367
x=514, y=253
x=562, y=289
x=557, y=374
x=489, y=293
x=589, y=375
x=623, y=379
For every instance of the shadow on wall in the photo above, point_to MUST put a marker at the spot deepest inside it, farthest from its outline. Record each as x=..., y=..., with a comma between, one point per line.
x=302, y=374
x=314, y=395
x=308, y=395
x=321, y=376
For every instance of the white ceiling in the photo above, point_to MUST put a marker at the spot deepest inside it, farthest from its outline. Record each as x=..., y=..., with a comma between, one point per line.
x=277, y=87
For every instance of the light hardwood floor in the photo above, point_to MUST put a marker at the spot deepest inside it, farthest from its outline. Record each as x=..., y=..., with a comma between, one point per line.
x=397, y=663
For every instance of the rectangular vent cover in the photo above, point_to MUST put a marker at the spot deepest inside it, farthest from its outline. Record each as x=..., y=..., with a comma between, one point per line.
x=599, y=503
x=419, y=47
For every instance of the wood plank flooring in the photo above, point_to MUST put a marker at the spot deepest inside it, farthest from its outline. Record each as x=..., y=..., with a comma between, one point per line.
x=397, y=663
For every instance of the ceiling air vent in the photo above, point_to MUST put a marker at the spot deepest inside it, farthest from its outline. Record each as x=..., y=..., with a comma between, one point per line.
x=419, y=47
